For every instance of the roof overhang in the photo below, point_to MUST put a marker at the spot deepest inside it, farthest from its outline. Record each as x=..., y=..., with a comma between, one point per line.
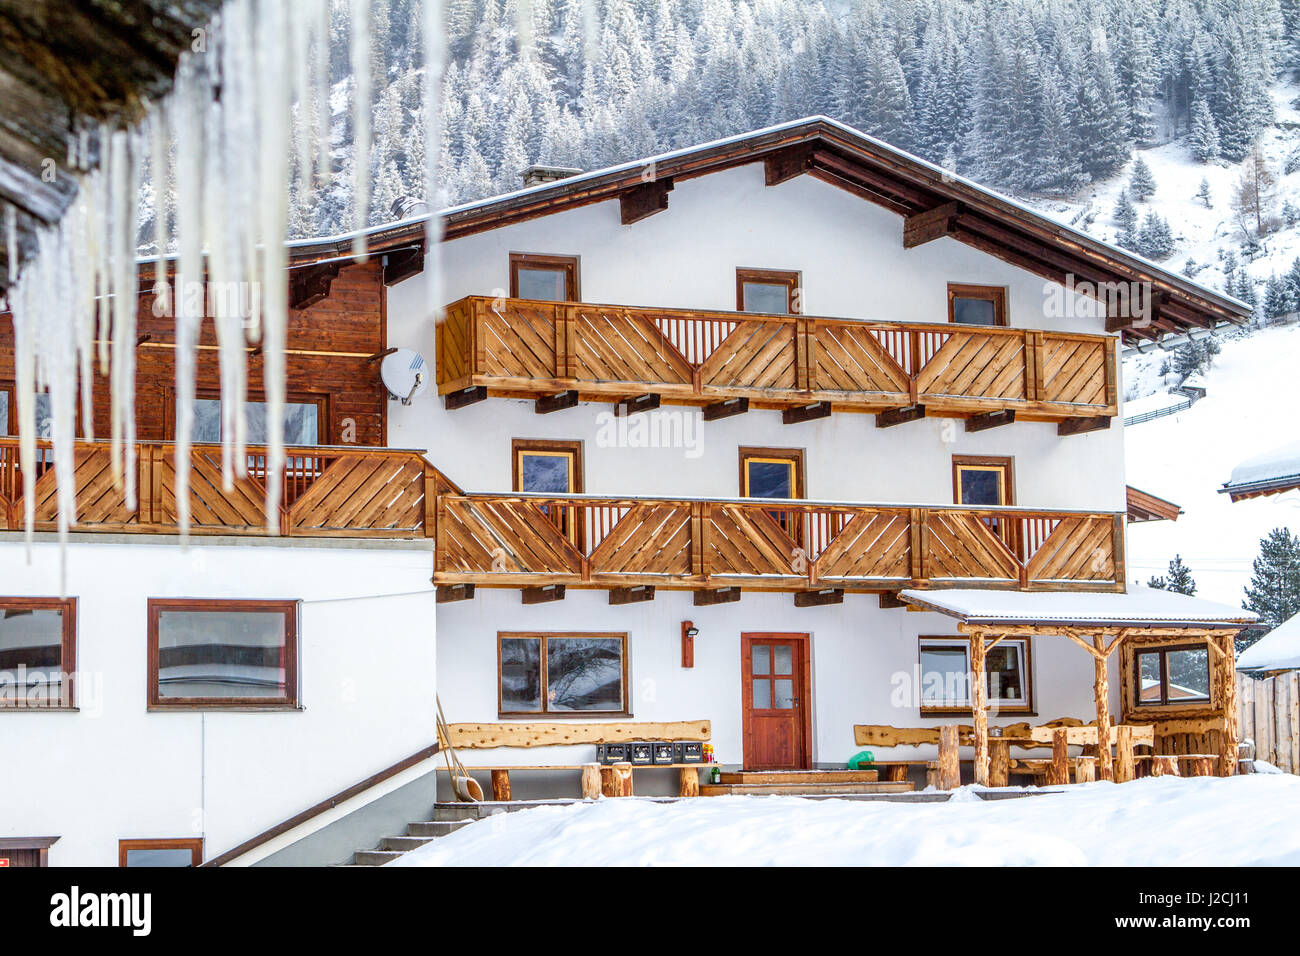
x=1144, y=506
x=1138, y=608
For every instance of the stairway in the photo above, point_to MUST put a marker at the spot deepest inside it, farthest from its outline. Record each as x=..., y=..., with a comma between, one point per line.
x=447, y=818
x=802, y=783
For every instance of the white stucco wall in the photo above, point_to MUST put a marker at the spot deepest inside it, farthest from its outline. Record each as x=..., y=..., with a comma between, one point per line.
x=114, y=770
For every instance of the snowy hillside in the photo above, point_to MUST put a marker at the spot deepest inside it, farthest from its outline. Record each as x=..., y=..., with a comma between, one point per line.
x=1186, y=457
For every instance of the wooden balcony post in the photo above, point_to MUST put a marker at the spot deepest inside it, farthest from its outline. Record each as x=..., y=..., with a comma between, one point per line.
x=1033, y=367
x=430, y=501
x=1112, y=376
x=914, y=360
x=949, y=763
x=979, y=708
x=1227, y=679
x=1117, y=561
x=1101, y=693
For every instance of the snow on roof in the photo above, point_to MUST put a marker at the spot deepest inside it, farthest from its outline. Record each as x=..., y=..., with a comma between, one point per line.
x=1140, y=606
x=1280, y=466
x=1278, y=650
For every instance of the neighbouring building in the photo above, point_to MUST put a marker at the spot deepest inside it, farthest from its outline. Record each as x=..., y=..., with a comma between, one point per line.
x=769, y=442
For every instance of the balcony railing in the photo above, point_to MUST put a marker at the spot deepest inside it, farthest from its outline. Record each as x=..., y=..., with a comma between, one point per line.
x=524, y=540
x=346, y=492
x=532, y=348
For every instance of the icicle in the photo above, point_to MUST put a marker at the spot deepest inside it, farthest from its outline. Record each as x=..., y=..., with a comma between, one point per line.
x=320, y=92
x=123, y=228
x=433, y=66
x=159, y=171
x=11, y=242
x=360, y=55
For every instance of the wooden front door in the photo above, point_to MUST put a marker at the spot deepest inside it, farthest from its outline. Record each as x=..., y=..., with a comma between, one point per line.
x=777, y=701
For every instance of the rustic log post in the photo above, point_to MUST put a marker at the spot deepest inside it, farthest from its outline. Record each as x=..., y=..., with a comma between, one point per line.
x=616, y=780
x=896, y=772
x=1228, y=739
x=999, y=762
x=1164, y=765
x=1058, y=771
x=949, y=777
x=1101, y=691
x=1124, y=771
x=690, y=785
x=979, y=708
x=1085, y=769
x=590, y=781
x=1200, y=766
x=501, y=785
x=932, y=774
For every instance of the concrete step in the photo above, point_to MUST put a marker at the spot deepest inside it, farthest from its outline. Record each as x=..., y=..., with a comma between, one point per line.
x=375, y=857
x=401, y=844
x=435, y=828
x=486, y=808
x=801, y=789
x=800, y=776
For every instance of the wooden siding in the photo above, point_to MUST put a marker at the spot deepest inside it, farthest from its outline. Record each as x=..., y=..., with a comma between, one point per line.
x=583, y=541
x=530, y=348
x=1270, y=716
x=329, y=343
x=347, y=492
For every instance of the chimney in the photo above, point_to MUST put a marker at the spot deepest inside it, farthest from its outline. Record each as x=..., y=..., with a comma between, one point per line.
x=538, y=174
x=405, y=207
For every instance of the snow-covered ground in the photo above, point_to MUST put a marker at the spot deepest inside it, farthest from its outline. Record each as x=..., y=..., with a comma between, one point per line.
x=1185, y=458
x=1161, y=821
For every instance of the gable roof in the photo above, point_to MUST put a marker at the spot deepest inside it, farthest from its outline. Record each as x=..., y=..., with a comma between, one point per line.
x=932, y=201
x=1144, y=506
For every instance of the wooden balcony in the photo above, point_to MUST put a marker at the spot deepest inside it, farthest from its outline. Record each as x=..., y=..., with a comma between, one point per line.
x=526, y=348
x=327, y=492
x=585, y=541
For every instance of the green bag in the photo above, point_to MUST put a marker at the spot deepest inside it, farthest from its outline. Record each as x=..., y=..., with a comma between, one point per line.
x=862, y=760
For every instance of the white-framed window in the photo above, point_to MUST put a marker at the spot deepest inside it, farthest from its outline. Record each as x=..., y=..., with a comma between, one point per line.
x=945, y=674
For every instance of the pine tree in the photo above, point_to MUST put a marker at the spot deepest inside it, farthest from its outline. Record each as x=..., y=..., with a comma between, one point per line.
x=1274, y=589
x=1204, y=137
x=1203, y=193
x=1155, y=239
x=1126, y=217
x=1142, y=184
x=1178, y=578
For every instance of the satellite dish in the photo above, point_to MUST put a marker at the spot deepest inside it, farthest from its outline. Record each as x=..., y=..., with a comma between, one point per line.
x=404, y=374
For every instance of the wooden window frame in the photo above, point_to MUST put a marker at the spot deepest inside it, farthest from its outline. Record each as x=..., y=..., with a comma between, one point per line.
x=1164, y=650
x=291, y=610
x=793, y=455
x=959, y=710
x=193, y=844
x=993, y=293
x=67, y=654
x=9, y=422
x=566, y=519
x=571, y=266
x=322, y=401
x=1004, y=463
x=793, y=282
x=543, y=636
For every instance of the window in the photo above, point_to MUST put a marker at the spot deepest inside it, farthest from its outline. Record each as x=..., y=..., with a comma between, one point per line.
x=766, y=290
x=180, y=852
x=977, y=304
x=1173, y=675
x=549, y=278
x=44, y=415
x=38, y=648
x=771, y=473
x=223, y=653
x=551, y=468
x=305, y=419
x=983, y=480
x=945, y=675
x=562, y=673
x=26, y=851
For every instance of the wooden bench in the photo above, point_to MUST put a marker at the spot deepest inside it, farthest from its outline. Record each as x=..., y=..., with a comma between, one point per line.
x=611, y=780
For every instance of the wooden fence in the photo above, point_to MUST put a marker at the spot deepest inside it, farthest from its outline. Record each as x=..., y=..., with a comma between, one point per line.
x=1270, y=715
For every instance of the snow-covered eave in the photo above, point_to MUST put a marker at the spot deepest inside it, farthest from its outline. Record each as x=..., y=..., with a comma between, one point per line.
x=1269, y=473
x=1256, y=489
x=1139, y=607
x=1274, y=653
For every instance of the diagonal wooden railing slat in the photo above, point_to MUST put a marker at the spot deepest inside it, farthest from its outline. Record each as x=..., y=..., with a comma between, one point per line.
x=338, y=492
x=515, y=541
x=530, y=348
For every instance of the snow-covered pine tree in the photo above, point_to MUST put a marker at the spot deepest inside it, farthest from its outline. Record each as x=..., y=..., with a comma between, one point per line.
x=1203, y=140
x=1126, y=216
x=1274, y=589
x=1155, y=238
x=1142, y=184
x=1203, y=193
x=1178, y=578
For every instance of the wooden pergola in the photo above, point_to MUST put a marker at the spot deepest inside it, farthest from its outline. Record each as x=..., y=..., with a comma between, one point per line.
x=1100, y=642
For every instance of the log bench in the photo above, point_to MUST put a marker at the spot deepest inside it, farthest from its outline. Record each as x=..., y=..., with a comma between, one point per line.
x=611, y=780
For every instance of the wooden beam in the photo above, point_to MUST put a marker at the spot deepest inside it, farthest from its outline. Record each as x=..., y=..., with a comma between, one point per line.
x=897, y=416
x=819, y=598
x=466, y=396
x=1229, y=738
x=310, y=284
x=711, y=596
x=922, y=227
x=786, y=164
x=979, y=709
x=447, y=593
x=555, y=403
x=949, y=764
x=642, y=592
x=890, y=599
x=688, y=644
x=544, y=594
x=641, y=403
x=806, y=413
x=488, y=736
x=1081, y=426
x=643, y=201
x=725, y=409
x=979, y=423
x=403, y=264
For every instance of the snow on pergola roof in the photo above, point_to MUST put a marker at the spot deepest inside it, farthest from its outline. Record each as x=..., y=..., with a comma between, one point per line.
x=1139, y=607
x=1278, y=650
x=1269, y=473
